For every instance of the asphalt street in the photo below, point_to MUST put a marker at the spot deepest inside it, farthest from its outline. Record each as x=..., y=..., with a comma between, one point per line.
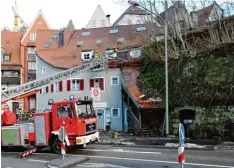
x=107, y=156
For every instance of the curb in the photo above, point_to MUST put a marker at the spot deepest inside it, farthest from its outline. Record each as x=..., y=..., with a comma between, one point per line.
x=67, y=162
x=153, y=146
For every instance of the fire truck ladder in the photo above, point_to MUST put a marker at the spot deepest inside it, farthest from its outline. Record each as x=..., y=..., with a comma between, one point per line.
x=38, y=84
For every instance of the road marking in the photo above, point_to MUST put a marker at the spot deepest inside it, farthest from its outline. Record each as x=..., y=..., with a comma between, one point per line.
x=144, y=160
x=120, y=150
x=41, y=161
x=100, y=165
x=156, y=161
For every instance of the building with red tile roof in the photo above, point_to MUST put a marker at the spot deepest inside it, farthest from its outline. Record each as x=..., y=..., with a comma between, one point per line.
x=11, y=63
x=28, y=55
x=115, y=43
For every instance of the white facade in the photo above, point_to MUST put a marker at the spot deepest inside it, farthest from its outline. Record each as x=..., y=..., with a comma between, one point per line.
x=98, y=19
x=129, y=19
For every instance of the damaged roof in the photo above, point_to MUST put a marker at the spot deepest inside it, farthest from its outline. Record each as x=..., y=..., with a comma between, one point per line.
x=98, y=39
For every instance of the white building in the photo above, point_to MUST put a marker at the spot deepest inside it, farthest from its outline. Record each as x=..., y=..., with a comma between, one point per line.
x=99, y=19
x=134, y=15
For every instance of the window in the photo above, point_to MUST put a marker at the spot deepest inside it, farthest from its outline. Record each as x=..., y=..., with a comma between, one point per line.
x=10, y=74
x=32, y=65
x=43, y=90
x=103, y=22
x=77, y=84
x=99, y=41
x=129, y=22
x=138, y=22
x=141, y=29
x=115, y=112
x=97, y=83
x=84, y=110
x=57, y=87
x=47, y=45
x=113, y=31
x=94, y=23
x=7, y=41
x=65, y=111
x=31, y=50
x=55, y=36
x=6, y=58
x=86, y=55
x=33, y=36
x=86, y=33
x=43, y=70
x=79, y=43
x=31, y=57
x=121, y=39
x=115, y=80
x=39, y=22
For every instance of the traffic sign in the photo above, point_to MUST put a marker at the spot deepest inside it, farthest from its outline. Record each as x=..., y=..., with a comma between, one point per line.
x=61, y=133
x=95, y=93
x=181, y=134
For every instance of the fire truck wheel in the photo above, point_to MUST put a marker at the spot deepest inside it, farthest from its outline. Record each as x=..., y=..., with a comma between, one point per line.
x=56, y=146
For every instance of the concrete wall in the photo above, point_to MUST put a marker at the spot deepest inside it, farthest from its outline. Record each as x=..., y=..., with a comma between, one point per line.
x=109, y=98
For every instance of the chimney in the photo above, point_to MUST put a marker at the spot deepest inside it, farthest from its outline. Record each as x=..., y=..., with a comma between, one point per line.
x=61, y=37
x=108, y=17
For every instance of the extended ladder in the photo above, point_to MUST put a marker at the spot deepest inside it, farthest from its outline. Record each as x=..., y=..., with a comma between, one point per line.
x=38, y=84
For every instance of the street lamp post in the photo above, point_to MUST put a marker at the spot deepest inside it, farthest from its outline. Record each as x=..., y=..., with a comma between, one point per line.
x=165, y=22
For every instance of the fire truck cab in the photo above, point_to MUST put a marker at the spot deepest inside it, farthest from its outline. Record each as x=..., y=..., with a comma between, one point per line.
x=76, y=116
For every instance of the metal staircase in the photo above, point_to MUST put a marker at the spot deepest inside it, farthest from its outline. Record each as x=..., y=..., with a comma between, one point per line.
x=96, y=64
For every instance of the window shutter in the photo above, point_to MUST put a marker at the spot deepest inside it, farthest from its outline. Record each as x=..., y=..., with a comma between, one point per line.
x=68, y=85
x=101, y=83
x=52, y=88
x=60, y=86
x=82, y=84
x=47, y=89
x=40, y=91
x=91, y=83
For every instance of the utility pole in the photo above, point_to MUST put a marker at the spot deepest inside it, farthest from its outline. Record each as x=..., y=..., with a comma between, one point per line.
x=166, y=67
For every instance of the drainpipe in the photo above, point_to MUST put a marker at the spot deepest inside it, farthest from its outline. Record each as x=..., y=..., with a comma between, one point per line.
x=123, y=111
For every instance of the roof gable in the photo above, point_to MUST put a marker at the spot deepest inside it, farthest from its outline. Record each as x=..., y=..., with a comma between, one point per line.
x=98, y=15
x=132, y=10
x=39, y=22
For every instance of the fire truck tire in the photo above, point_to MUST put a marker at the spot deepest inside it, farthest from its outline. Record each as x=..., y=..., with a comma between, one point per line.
x=56, y=146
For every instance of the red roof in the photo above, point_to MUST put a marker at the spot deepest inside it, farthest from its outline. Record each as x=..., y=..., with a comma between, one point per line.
x=70, y=54
x=13, y=46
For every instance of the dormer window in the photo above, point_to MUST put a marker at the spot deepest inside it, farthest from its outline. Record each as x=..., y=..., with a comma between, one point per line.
x=113, y=31
x=141, y=28
x=86, y=55
x=79, y=43
x=86, y=33
x=120, y=39
x=55, y=36
x=135, y=53
x=110, y=54
x=47, y=45
x=99, y=41
x=6, y=58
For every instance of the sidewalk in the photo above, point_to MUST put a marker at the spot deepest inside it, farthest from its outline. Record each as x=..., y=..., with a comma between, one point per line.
x=125, y=139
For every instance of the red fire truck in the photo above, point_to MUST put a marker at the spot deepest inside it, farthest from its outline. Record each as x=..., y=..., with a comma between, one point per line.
x=76, y=116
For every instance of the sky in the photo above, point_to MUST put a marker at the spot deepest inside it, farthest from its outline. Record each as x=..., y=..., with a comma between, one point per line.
x=59, y=12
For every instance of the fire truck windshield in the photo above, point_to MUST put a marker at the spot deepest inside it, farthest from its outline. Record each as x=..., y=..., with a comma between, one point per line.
x=84, y=110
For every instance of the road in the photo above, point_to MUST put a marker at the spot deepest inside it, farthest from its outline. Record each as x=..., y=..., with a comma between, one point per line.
x=106, y=156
